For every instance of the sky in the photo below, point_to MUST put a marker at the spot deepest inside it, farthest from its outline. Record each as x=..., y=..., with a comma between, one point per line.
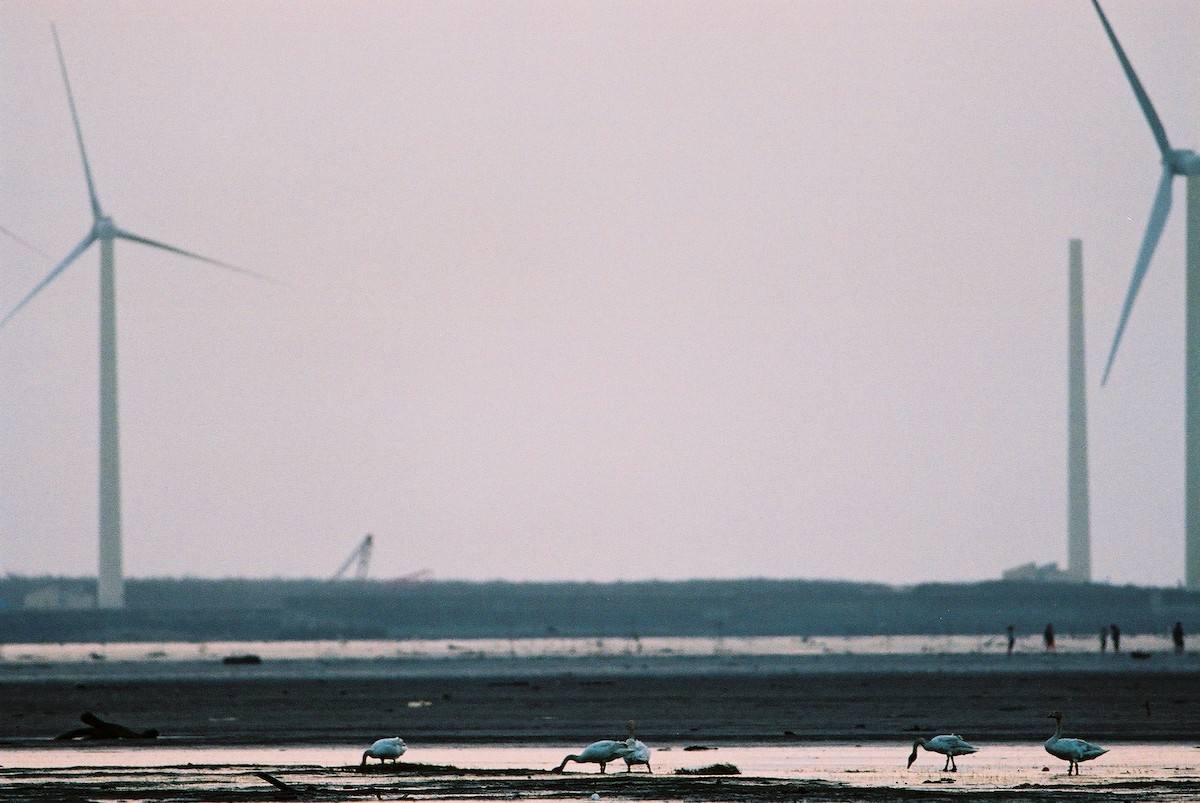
x=593, y=290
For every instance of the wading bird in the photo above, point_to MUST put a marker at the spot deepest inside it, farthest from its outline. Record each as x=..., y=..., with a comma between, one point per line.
x=1071, y=751
x=639, y=752
x=384, y=749
x=949, y=745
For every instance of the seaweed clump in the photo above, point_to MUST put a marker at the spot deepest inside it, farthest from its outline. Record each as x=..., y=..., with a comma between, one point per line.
x=710, y=769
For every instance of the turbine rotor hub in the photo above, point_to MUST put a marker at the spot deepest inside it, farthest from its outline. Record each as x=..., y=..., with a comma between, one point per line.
x=104, y=227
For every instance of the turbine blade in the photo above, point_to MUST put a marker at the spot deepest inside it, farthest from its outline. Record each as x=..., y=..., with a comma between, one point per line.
x=59, y=268
x=1156, y=126
x=125, y=235
x=26, y=243
x=1154, y=229
x=87, y=170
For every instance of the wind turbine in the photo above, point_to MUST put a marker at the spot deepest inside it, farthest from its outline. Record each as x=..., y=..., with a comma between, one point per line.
x=1176, y=162
x=110, y=587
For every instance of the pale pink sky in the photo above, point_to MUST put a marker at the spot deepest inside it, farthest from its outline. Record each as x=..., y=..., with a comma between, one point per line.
x=593, y=290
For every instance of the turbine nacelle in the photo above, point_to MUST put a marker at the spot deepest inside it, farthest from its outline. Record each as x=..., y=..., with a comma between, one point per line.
x=1183, y=162
x=104, y=228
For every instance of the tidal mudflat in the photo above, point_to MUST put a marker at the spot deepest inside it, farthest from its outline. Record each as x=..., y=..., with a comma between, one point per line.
x=820, y=728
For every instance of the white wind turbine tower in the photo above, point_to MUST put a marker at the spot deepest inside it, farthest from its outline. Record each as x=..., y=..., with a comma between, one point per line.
x=110, y=588
x=1176, y=162
x=1079, y=547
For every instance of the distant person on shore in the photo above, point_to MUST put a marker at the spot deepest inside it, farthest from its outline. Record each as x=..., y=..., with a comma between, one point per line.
x=1104, y=639
x=1049, y=636
x=1116, y=637
x=1012, y=639
x=1177, y=637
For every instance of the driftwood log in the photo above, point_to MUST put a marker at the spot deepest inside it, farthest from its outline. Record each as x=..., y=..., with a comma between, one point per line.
x=99, y=729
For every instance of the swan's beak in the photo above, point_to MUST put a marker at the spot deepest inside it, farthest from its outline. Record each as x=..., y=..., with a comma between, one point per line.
x=911, y=759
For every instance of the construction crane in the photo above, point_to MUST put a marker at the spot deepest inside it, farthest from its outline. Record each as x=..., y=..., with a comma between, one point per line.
x=360, y=556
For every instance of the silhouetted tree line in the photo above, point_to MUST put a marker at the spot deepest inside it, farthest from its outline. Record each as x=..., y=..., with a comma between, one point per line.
x=242, y=609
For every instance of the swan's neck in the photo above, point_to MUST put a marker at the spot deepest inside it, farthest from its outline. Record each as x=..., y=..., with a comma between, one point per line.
x=1057, y=732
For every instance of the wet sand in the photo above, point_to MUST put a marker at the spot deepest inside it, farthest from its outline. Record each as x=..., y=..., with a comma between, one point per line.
x=530, y=702
x=865, y=700
x=233, y=784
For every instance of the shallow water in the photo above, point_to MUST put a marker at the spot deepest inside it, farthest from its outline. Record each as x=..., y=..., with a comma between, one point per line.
x=1014, y=773
x=565, y=648
x=872, y=764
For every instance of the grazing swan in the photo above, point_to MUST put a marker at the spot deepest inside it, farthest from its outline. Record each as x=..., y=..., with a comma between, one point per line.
x=600, y=753
x=948, y=745
x=1070, y=750
x=384, y=749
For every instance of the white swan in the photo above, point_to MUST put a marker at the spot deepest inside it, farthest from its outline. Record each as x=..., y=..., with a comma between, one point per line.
x=1070, y=750
x=949, y=745
x=637, y=752
x=384, y=749
x=600, y=753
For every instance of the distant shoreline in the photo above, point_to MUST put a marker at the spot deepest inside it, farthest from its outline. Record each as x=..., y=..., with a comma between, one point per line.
x=603, y=666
